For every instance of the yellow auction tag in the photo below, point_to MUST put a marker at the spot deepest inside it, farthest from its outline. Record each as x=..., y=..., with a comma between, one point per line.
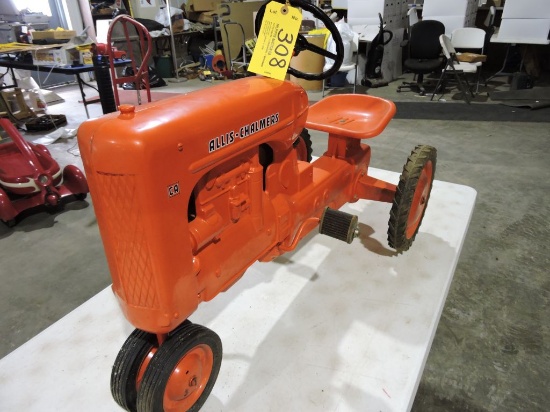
x=276, y=40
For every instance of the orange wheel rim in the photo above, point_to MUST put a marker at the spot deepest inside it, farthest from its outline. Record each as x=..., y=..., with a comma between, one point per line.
x=144, y=366
x=188, y=379
x=420, y=199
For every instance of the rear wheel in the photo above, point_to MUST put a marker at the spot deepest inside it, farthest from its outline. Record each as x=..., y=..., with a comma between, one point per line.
x=411, y=197
x=303, y=146
x=182, y=372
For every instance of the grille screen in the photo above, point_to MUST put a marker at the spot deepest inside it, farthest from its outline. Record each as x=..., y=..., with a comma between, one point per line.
x=125, y=229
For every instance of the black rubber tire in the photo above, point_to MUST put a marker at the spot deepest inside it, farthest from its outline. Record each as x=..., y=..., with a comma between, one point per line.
x=418, y=173
x=303, y=146
x=126, y=367
x=53, y=209
x=81, y=196
x=180, y=342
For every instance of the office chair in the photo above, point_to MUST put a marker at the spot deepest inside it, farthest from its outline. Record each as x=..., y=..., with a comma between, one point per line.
x=470, y=39
x=456, y=68
x=424, y=52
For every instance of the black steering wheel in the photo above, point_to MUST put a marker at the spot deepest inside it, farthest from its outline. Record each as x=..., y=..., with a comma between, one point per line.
x=302, y=43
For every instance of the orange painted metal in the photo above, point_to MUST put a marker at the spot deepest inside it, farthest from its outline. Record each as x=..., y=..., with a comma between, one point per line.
x=420, y=197
x=192, y=190
x=188, y=379
x=144, y=365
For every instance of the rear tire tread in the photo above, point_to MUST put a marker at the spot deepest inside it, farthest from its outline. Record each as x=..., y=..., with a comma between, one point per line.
x=401, y=207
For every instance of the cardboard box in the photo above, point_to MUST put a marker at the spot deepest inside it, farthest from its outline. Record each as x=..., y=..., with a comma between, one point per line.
x=178, y=23
x=83, y=52
x=62, y=56
x=202, y=5
x=86, y=57
x=207, y=17
x=51, y=57
x=34, y=18
x=471, y=57
x=53, y=34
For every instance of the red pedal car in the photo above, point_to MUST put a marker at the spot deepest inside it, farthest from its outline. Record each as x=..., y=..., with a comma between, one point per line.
x=30, y=177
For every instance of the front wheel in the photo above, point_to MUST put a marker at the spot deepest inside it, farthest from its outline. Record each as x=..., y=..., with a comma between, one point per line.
x=182, y=372
x=411, y=197
x=129, y=366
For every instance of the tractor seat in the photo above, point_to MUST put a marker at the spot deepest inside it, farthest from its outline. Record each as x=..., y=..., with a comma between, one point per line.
x=351, y=115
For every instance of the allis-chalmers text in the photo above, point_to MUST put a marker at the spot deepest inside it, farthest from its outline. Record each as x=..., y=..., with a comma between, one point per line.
x=227, y=138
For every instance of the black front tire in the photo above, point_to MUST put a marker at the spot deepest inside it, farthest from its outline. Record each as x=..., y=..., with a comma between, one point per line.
x=182, y=372
x=127, y=365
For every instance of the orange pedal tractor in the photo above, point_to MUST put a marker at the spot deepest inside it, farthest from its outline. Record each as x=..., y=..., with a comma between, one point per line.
x=190, y=191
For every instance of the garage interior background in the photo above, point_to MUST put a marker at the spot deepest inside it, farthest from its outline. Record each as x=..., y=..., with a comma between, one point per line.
x=491, y=351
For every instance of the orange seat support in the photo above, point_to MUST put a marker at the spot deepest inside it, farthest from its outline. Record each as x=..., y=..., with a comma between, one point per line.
x=348, y=118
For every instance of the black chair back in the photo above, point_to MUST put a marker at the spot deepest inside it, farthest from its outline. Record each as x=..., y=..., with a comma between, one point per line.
x=424, y=39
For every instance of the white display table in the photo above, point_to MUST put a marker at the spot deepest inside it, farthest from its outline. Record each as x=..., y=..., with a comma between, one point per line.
x=499, y=37
x=329, y=327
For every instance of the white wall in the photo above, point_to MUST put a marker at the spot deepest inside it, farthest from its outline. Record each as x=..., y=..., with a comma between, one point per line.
x=144, y=10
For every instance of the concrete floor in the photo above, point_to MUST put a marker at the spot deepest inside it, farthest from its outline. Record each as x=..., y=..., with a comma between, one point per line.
x=491, y=350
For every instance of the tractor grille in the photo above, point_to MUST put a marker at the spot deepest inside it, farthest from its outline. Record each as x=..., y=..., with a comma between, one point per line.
x=128, y=239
